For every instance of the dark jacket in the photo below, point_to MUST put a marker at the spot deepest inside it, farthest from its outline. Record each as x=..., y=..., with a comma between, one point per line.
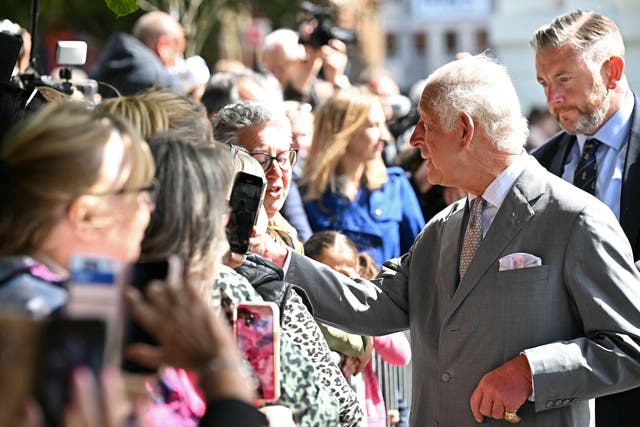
x=268, y=280
x=131, y=67
x=552, y=155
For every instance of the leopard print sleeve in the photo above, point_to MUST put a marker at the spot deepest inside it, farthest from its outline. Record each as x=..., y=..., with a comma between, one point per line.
x=303, y=329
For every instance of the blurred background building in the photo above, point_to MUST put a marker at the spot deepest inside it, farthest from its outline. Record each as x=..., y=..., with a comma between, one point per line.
x=421, y=35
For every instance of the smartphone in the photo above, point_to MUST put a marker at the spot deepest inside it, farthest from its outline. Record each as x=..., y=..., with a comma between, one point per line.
x=246, y=198
x=65, y=345
x=139, y=275
x=95, y=292
x=257, y=333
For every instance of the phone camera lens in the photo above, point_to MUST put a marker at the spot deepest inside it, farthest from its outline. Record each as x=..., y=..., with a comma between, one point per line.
x=249, y=319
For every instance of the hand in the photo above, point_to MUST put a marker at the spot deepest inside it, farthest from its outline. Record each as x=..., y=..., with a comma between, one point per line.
x=394, y=416
x=334, y=60
x=365, y=357
x=506, y=388
x=233, y=259
x=268, y=248
x=191, y=336
x=350, y=366
x=278, y=416
x=90, y=405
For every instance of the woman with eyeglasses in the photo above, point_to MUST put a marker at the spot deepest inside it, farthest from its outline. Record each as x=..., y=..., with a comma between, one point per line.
x=346, y=185
x=266, y=136
x=72, y=181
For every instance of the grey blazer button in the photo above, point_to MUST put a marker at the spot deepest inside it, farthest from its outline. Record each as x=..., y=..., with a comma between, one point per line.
x=549, y=404
x=566, y=402
x=445, y=377
x=558, y=402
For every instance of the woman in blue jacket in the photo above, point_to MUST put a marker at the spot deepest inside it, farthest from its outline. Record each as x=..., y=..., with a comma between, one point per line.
x=346, y=184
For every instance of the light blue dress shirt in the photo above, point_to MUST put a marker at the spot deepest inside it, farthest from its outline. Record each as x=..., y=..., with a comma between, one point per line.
x=610, y=155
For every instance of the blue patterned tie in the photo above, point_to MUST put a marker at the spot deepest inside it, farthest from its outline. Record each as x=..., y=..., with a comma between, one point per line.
x=472, y=235
x=587, y=169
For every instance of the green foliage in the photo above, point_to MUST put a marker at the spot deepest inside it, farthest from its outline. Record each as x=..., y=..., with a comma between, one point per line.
x=122, y=7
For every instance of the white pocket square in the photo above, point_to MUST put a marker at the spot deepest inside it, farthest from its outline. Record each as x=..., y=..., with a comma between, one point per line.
x=519, y=260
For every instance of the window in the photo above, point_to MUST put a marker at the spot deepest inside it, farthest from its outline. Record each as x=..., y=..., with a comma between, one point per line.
x=451, y=42
x=482, y=40
x=391, y=44
x=420, y=43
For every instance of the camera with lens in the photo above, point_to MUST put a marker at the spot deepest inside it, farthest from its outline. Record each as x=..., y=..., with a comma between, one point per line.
x=325, y=30
x=68, y=54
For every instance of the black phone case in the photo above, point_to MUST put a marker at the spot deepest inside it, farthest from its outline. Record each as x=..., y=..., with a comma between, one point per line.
x=140, y=274
x=245, y=201
x=65, y=345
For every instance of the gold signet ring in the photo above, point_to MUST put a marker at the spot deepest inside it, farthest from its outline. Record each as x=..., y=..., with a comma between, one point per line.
x=509, y=416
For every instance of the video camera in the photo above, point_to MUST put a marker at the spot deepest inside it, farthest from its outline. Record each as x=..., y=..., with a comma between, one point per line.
x=324, y=30
x=68, y=55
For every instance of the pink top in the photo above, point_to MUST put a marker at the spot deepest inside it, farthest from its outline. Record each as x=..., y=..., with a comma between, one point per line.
x=395, y=350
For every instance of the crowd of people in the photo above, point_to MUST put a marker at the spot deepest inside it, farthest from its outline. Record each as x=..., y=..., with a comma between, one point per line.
x=510, y=279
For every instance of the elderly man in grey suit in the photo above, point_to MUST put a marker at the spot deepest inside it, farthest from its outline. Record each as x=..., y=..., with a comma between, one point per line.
x=522, y=299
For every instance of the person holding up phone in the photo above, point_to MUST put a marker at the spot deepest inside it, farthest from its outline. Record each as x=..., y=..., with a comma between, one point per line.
x=72, y=181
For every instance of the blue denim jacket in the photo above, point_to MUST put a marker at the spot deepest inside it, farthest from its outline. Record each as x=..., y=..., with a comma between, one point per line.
x=383, y=223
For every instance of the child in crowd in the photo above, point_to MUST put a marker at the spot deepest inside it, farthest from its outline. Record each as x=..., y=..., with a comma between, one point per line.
x=338, y=252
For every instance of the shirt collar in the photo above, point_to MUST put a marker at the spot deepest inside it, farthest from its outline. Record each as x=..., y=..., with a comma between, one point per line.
x=613, y=131
x=497, y=191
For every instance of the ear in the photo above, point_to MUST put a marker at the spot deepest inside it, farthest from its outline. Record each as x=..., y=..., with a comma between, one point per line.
x=467, y=129
x=163, y=47
x=80, y=216
x=613, y=70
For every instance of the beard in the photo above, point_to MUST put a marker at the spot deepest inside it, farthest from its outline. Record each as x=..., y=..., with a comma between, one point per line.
x=591, y=116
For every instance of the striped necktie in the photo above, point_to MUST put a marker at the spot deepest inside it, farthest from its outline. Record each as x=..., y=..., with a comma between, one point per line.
x=587, y=169
x=472, y=235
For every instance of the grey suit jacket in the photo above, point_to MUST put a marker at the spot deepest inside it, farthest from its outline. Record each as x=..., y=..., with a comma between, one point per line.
x=577, y=315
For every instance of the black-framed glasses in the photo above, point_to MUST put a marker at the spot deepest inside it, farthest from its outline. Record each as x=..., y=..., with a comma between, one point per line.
x=151, y=190
x=285, y=159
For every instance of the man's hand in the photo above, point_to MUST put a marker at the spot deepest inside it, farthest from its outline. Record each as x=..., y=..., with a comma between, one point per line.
x=334, y=62
x=505, y=389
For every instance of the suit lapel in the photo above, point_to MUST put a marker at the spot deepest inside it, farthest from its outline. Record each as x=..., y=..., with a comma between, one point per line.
x=564, y=145
x=514, y=214
x=451, y=241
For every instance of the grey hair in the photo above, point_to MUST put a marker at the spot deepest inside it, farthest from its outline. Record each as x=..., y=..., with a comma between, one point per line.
x=594, y=36
x=481, y=87
x=234, y=117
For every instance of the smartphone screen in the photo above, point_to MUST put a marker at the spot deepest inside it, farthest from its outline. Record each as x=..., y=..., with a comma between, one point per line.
x=95, y=292
x=256, y=329
x=66, y=344
x=139, y=275
x=246, y=198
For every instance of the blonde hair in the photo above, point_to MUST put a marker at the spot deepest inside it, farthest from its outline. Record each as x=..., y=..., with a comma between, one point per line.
x=153, y=112
x=52, y=158
x=336, y=122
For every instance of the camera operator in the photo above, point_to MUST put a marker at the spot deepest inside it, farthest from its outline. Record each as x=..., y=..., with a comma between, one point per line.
x=310, y=65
